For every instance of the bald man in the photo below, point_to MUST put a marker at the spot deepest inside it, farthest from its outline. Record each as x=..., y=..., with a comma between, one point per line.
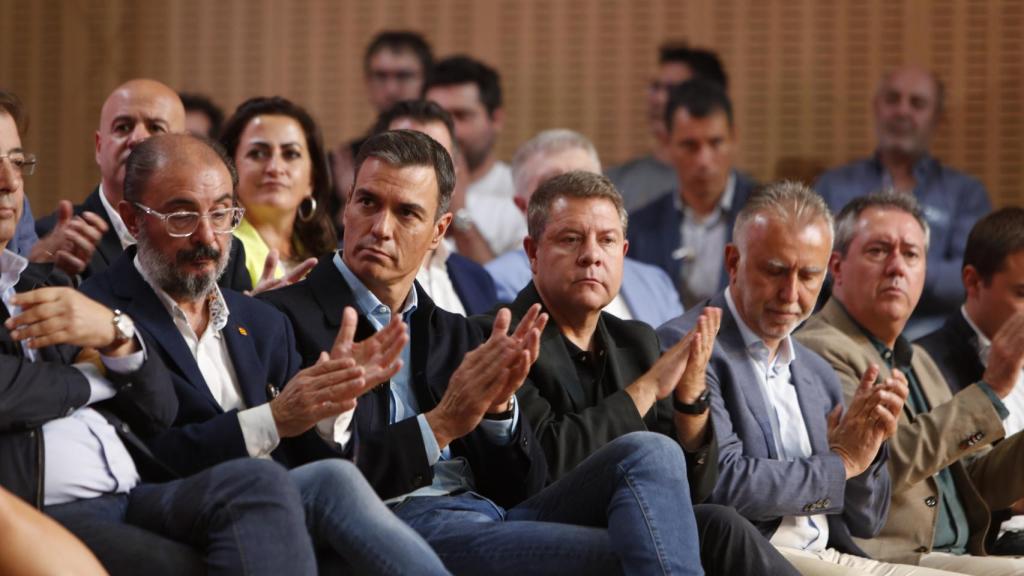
x=85, y=239
x=908, y=107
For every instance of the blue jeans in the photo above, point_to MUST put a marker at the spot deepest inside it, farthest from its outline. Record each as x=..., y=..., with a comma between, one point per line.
x=243, y=516
x=352, y=529
x=625, y=509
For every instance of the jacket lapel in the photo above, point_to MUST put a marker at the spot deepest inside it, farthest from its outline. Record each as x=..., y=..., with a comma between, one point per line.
x=730, y=340
x=808, y=394
x=148, y=313
x=247, y=363
x=109, y=247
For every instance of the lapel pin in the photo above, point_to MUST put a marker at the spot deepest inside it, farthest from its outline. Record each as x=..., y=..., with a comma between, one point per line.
x=243, y=331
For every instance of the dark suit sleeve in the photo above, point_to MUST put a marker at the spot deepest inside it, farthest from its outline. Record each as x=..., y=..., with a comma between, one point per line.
x=33, y=393
x=145, y=398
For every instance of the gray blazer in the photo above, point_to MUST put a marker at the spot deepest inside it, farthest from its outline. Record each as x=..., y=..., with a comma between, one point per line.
x=751, y=477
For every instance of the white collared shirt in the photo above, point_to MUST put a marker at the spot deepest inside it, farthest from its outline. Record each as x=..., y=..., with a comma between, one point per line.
x=123, y=235
x=495, y=215
x=792, y=441
x=703, y=243
x=1014, y=403
x=434, y=279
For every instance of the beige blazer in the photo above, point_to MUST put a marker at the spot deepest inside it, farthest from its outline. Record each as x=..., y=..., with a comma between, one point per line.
x=957, y=432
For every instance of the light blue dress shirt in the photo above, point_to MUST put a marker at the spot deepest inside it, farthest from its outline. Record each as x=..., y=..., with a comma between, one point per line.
x=450, y=474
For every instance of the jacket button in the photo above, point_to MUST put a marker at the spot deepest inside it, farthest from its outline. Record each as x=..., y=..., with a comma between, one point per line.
x=826, y=503
x=69, y=411
x=921, y=549
x=978, y=436
x=808, y=507
x=124, y=428
x=417, y=479
x=930, y=501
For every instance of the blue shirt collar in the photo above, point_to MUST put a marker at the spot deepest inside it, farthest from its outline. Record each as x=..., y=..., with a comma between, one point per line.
x=367, y=302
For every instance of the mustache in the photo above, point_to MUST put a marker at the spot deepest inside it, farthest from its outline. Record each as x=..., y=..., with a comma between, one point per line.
x=198, y=253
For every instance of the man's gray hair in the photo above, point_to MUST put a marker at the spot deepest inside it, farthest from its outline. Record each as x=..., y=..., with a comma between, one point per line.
x=846, y=221
x=789, y=201
x=575, y=184
x=547, y=142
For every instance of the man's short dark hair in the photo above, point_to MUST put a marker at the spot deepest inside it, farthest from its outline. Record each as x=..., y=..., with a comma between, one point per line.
x=11, y=105
x=400, y=41
x=149, y=156
x=575, y=184
x=846, y=220
x=422, y=111
x=700, y=98
x=200, y=103
x=403, y=148
x=702, y=63
x=993, y=238
x=465, y=70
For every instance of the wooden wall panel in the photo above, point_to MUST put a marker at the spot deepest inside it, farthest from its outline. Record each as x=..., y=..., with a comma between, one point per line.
x=802, y=72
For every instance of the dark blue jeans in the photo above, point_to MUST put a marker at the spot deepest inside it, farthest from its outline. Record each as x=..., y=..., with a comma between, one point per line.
x=625, y=509
x=243, y=516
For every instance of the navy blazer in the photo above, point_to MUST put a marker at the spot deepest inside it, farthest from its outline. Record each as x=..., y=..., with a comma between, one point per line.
x=261, y=344
x=34, y=393
x=392, y=456
x=655, y=231
x=952, y=347
x=235, y=276
x=472, y=284
x=751, y=477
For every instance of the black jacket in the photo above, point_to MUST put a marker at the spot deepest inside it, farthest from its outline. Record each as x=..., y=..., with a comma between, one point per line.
x=952, y=347
x=393, y=457
x=34, y=393
x=570, y=429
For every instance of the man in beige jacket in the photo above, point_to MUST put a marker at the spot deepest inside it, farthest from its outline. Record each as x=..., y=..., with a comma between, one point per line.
x=946, y=474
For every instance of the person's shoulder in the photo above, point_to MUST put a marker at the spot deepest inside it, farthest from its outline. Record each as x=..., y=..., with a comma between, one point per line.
x=653, y=212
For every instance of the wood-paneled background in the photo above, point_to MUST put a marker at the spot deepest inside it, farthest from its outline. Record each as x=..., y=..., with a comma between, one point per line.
x=802, y=71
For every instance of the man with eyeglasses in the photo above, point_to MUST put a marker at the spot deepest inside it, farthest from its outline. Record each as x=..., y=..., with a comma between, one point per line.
x=85, y=239
x=233, y=362
x=80, y=390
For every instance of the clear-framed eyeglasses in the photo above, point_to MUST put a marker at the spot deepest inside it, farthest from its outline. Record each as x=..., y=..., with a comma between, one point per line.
x=22, y=162
x=183, y=224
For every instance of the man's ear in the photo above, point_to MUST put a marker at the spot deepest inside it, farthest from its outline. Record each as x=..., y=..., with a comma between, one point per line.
x=835, y=262
x=531, y=253
x=498, y=119
x=732, y=260
x=972, y=281
x=625, y=247
x=130, y=216
x=440, y=229
x=96, y=153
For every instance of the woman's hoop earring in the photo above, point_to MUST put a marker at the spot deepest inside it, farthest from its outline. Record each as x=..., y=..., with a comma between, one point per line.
x=307, y=209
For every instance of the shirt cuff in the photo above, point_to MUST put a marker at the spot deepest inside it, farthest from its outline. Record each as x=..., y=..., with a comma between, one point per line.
x=996, y=401
x=429, y=440
x=100, y=388
x=500, y=431
x=126, y=364
x=336, y=429
x=259, y=430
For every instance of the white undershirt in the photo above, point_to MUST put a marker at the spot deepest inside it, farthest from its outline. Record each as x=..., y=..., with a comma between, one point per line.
x=123, y=235
x=434, y=279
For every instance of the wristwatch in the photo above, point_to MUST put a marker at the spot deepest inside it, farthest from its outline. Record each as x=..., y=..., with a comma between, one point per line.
x=698, y=407
x=124, y=328
x=463, y=220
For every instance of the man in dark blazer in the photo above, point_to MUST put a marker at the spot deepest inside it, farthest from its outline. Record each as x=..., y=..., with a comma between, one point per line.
x=807, y=475
x=988, y=331
x=71, y=438
x=445, y=440
x=685, y=233
x=233, y=363
x=598, y=377
x=87, y=238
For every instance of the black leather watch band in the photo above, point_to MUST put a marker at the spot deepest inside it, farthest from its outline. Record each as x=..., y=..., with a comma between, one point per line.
x=698, y=407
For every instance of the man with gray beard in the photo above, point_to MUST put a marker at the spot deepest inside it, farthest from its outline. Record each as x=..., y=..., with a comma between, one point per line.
x=233, y=361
